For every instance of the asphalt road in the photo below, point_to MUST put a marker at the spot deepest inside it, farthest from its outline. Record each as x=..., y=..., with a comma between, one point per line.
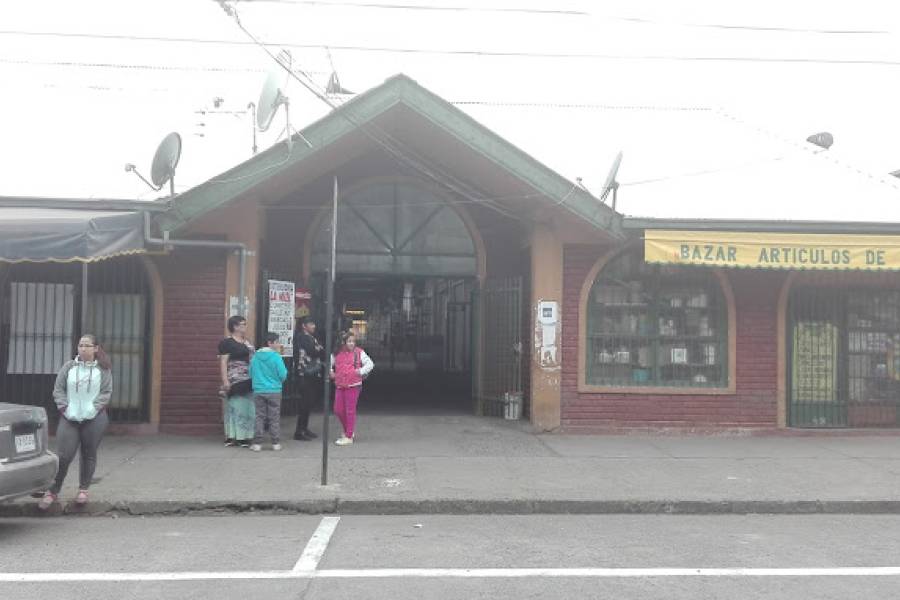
x=671, y=557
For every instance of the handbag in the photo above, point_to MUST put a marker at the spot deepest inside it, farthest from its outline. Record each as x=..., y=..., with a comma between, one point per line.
x=312, y=369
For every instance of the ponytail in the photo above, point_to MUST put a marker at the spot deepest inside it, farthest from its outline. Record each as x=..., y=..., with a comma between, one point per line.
x=103, y=359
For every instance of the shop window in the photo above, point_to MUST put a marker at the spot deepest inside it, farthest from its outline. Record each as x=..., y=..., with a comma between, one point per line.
x=656, y=326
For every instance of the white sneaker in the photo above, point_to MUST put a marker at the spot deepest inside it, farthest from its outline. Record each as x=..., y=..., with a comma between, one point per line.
x=255, y=447
x=276, y=447
x=343, y=441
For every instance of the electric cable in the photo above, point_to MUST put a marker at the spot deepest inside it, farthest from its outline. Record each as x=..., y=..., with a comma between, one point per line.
x=483, y=52
x=402, y=156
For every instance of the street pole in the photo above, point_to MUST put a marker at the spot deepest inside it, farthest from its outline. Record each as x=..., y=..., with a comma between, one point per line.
x=329, y=332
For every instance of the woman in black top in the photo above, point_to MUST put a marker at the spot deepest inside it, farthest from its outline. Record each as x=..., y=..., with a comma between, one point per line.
x=239, y=412
x=310, y=355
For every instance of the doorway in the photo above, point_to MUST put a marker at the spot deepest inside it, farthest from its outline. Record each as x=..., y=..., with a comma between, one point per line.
x=419, y=333
x=844, y=357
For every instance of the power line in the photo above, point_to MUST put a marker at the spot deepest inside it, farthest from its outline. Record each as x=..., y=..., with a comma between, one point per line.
x=432, y=8
x=124, y=66
x=755, y=28
x=577, y=13
x=482, y=53
x=394, y=148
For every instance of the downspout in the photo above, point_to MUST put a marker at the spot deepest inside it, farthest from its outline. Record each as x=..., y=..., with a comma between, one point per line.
x=241, y=248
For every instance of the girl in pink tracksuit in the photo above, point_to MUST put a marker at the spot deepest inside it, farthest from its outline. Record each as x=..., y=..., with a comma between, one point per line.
x=348, y=369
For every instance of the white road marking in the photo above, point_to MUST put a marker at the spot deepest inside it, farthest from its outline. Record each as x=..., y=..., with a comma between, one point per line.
x=317, y=545
x=607, y=573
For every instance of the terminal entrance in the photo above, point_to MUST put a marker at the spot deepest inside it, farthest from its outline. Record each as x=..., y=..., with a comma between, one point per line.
x=407, y=266
x=419, y=333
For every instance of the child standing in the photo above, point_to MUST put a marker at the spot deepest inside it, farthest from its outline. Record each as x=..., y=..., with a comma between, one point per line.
x=348, y=369
x=267, y=371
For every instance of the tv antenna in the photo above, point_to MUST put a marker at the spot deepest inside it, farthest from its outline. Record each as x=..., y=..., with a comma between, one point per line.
x=611, y=185
x=165, y=160
x=272, y=96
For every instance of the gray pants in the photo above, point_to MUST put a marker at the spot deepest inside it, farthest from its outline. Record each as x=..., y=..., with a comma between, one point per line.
x=268, y=408
x=72, y=435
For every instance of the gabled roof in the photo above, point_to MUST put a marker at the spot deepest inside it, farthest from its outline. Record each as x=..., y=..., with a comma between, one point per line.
x=362, y=110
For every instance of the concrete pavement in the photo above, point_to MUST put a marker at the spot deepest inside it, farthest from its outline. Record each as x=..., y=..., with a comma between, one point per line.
x=460, y=464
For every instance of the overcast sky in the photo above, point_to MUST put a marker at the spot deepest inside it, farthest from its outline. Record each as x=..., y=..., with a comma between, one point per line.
x=92, y=85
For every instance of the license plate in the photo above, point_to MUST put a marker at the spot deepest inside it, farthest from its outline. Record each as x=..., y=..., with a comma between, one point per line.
x=26, y=443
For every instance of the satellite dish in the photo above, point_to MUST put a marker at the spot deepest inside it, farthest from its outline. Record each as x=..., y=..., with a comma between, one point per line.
x=611, y=185
x=165, y=160
x=270, y=98
x=823, y=140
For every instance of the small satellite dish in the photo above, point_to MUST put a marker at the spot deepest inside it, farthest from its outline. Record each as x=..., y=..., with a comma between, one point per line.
x=823, y=140
x=895, y=173
x=270, y=98
x=165, y=160
x=611, y=185
x=334, y=87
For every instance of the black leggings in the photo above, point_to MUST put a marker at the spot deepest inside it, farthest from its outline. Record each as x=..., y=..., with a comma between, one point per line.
x=310, y=391
x=72, y=435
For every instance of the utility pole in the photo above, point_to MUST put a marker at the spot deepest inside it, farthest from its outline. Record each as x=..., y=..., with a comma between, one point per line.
x=329, y=331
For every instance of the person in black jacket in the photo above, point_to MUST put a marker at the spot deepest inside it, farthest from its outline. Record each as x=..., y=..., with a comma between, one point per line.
x=310, y=367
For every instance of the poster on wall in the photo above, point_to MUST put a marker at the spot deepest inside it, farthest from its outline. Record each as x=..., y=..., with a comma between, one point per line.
x=815, y=362
x=281, y=313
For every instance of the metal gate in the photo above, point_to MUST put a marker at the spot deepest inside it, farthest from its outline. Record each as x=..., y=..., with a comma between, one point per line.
x=502, y=329
x=44, y=310
x=844, y=357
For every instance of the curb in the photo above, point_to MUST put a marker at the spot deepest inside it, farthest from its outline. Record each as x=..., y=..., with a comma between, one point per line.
x=460, y=507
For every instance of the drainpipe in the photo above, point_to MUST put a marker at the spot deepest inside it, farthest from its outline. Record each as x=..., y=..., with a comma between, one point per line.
x=241, y=248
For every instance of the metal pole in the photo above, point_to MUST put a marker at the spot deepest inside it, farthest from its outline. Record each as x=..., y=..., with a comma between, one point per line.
x=84, y=295
x=329, y=332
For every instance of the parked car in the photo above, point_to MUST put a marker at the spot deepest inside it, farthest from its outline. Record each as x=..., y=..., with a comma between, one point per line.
x=26, y=463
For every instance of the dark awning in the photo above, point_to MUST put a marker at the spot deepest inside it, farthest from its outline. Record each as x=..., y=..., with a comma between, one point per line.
x=67, y=235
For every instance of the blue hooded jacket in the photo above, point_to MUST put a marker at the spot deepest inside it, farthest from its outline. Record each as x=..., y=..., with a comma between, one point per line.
x=267, y=371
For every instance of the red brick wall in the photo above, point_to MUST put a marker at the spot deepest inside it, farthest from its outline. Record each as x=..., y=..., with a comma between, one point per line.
x=753, y=404
x=193, y=325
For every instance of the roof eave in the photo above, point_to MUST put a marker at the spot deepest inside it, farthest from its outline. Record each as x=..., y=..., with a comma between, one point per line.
x=641, y=223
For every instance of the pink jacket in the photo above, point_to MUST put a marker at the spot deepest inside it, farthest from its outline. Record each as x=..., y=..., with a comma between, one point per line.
x=350, y=368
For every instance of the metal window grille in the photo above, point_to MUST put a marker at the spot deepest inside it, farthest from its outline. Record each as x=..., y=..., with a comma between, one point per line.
x=844, y=358
x=656, y=325
x=45, y=308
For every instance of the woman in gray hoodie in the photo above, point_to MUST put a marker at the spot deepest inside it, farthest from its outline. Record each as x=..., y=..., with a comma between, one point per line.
x=82, y=391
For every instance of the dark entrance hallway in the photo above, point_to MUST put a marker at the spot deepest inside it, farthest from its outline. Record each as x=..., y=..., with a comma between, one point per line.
x=419, y=333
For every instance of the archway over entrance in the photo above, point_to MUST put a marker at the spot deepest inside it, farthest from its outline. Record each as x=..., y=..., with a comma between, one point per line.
x=408, y=265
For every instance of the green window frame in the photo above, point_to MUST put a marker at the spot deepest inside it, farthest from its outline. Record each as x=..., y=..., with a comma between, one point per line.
x=652, y=325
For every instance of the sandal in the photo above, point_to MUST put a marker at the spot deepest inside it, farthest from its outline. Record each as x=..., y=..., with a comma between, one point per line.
x=82, y=497
x=47, y=501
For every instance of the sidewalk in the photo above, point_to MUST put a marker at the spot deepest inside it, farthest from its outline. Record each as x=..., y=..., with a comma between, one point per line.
x=467, y=464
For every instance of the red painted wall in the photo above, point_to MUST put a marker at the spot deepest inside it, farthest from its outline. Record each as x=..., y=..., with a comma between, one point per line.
x=753, y=404
x=193, y=325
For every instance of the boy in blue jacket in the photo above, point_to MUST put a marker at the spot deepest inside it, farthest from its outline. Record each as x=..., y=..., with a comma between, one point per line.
x=267, y=371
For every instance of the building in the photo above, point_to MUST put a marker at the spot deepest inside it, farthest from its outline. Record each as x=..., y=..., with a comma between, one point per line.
x=475, y=273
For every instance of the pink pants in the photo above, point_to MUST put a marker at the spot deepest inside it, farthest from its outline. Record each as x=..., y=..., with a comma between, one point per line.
x=345, y=400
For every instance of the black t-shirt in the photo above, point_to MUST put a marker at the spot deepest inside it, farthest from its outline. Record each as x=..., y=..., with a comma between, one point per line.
x=238, y=370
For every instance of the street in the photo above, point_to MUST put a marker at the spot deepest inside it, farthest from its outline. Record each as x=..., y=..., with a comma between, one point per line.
x=489, y=556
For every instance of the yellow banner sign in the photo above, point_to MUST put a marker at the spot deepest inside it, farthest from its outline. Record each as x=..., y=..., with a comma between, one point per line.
x=773, y=250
